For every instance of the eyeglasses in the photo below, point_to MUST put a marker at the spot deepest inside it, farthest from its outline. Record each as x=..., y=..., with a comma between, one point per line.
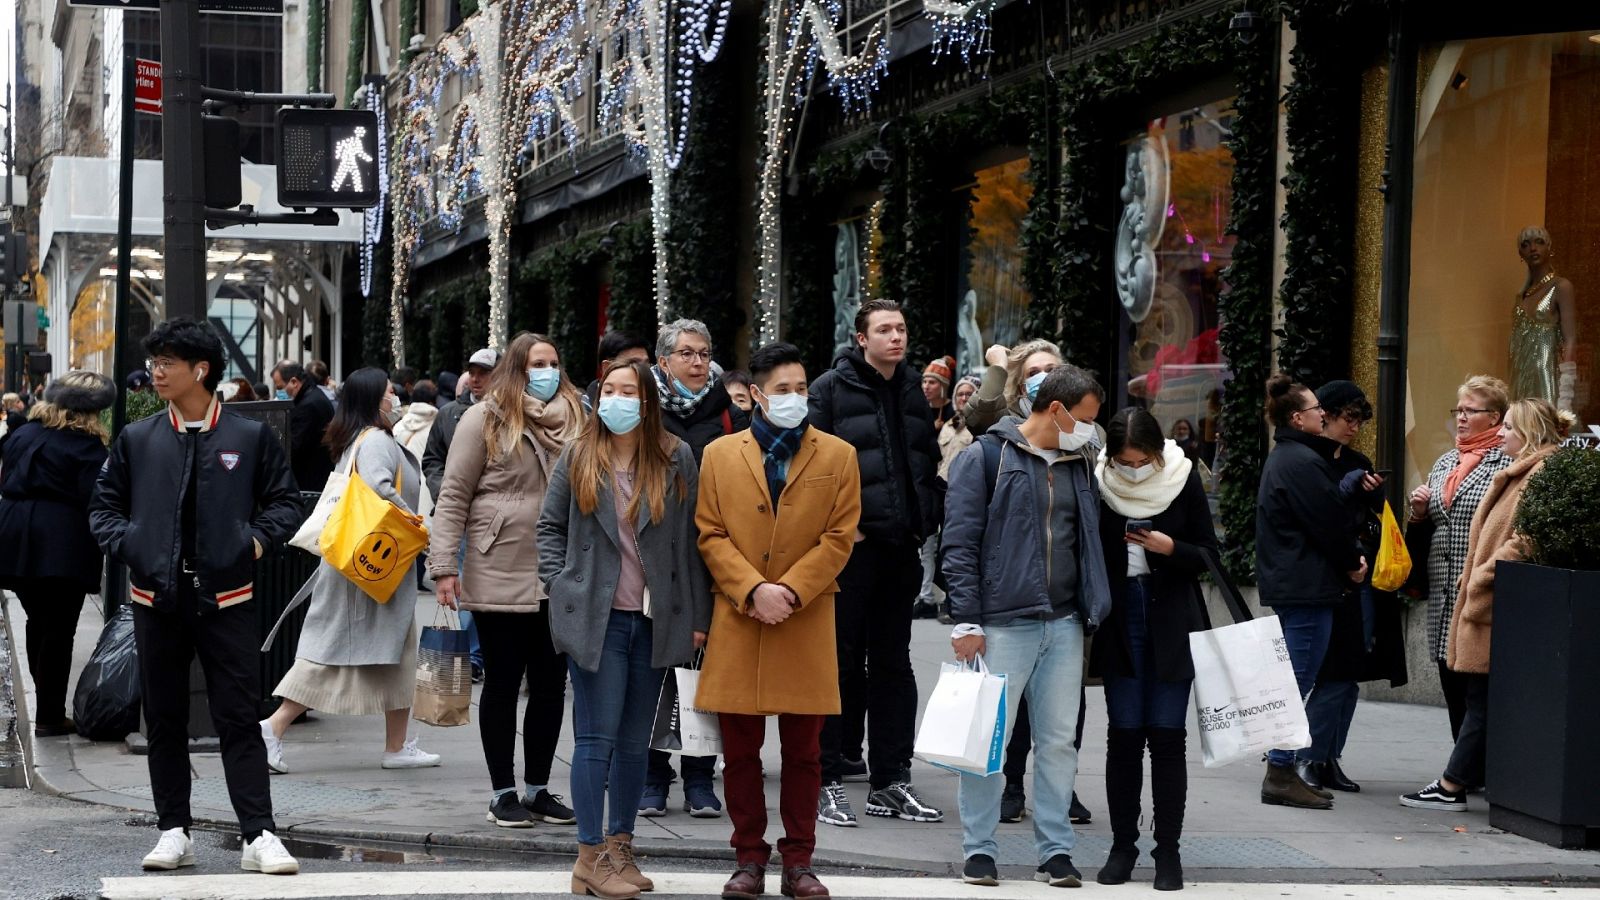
x=1310, y=408
x=161, y=364
x=1460, y=411
x=689, y=356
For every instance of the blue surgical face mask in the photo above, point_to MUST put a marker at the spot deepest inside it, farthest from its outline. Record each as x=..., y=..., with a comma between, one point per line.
x=620, y=414
x=1031, y=386
x=280, y=394
x=543, y=383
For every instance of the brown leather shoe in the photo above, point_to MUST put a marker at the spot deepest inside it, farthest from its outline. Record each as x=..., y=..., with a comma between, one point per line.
x=1282, y=787
x=749, y=881
x=800, y=881
x=620, y=846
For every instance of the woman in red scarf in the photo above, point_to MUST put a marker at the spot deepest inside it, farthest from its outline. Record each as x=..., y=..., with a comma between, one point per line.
x=1441, y=516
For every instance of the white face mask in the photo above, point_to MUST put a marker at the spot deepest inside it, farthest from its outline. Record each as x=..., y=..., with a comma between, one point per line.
x=785, y=410
x=1135, y=474
x=1082, y=433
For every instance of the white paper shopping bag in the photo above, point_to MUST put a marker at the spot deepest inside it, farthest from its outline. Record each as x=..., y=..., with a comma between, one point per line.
x=964, y=725
x=680, y=728
x=1245, y=693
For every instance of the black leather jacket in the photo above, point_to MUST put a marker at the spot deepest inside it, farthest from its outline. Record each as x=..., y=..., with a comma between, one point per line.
x=245, y=494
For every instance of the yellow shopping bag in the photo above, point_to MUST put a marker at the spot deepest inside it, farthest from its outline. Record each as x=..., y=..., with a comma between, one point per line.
x=1394, y=561
x=371, y=541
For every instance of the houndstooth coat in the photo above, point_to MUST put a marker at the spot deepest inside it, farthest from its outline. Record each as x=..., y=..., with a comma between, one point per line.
x=1452, y=529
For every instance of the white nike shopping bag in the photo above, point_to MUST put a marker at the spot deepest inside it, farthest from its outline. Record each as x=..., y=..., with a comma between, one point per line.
x=964, y=726
x=1245, y=694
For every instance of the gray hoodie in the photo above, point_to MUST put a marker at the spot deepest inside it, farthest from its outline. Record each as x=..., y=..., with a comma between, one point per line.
x=1031, y=550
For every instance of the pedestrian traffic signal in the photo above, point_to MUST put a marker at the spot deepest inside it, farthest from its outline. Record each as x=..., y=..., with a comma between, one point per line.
x=328, y=158
x=13, y=257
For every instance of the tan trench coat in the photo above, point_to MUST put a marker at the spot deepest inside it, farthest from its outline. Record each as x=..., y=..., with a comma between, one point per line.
x=791, y=667
x=496, y=505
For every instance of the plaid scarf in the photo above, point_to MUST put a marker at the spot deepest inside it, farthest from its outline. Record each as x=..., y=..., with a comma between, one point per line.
x=778, y=446
x=676, y=403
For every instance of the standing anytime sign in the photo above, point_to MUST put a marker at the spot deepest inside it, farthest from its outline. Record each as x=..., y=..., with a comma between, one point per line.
x=147, y=86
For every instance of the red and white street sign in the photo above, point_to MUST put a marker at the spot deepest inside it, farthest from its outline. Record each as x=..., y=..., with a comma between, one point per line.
x=147, y=86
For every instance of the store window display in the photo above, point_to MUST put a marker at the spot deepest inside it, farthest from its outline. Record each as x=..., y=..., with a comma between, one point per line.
x=1504, y=262
x=1171, y=247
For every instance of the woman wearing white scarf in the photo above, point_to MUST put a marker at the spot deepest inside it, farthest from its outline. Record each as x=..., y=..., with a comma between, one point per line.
x=1142, y=649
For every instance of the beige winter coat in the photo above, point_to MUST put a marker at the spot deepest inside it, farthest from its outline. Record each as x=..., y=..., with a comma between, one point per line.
x=1492, y=539
x=496, y=505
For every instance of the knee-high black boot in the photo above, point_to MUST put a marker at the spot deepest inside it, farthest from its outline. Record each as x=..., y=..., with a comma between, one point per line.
x=1169, y=787
x=1124, y=785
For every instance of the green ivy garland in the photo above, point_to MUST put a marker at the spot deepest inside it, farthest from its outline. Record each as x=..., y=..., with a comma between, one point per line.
x=355, y=65
x=632, y=309
x=316, y=19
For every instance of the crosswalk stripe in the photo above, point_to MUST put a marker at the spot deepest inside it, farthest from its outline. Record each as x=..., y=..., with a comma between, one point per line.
x=397, y=884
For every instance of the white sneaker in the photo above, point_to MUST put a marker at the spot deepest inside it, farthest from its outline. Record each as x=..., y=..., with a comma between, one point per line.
x=274, y=744
x=410, y=756
x=267, y=854
x=173, y=850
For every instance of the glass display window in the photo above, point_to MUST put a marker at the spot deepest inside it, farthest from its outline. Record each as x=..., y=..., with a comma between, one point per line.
x=1171, y=247
x=1504, y=269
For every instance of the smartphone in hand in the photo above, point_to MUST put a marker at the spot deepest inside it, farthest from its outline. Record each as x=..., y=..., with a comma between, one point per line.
x=1139, y=525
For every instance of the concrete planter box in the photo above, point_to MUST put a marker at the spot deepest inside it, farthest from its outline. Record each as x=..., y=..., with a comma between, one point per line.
x=1543, y=765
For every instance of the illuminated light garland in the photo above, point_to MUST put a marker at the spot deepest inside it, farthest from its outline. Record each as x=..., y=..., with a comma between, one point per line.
x=962, y=28
x=853, y=79
x=372, y=218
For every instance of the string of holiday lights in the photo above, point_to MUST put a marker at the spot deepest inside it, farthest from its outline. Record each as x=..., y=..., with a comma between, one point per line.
x=372, y=218
x=962, y=28
x=814, y=31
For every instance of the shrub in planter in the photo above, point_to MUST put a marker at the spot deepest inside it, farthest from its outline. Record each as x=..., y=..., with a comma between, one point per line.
x=1560, y=510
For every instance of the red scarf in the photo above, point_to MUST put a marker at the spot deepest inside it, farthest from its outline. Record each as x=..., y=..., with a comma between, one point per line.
x=1472, y=451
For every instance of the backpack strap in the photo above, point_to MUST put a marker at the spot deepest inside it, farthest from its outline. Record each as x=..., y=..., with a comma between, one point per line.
x=992, y=448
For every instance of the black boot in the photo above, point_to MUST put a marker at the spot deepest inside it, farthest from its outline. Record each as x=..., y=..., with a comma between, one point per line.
x=1124, y=785
x=1169, y=788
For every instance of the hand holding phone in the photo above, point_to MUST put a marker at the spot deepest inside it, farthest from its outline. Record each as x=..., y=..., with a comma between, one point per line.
x=1139, y=525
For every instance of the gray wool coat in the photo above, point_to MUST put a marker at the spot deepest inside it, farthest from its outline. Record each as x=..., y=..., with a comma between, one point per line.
x=344, y=626
x=579, y=558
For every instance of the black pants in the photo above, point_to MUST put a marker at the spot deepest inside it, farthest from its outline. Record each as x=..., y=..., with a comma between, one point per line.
x=1455, y=697
x=52, y=606
x=228, y=642
x=872, y=618
x=517, y=646
x=1022, y=739
x=1467, y=759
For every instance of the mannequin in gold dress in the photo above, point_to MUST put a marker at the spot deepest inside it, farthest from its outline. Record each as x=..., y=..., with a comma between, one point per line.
x=1544, y=327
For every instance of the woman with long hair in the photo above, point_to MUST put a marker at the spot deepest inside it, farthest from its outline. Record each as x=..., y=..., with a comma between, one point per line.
x=629, y=597
x=1532, y=430
x=1442, y=508
x=1306, y=556
x=1156, y=531
x=51, y=562
x=489, y=500
x=1008, y=385
x=357, y=657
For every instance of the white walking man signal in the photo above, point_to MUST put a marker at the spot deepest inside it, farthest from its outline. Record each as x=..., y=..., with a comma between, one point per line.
x=348, y=152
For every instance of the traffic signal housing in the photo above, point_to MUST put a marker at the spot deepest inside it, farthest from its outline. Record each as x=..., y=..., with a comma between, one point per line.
x=328, y=158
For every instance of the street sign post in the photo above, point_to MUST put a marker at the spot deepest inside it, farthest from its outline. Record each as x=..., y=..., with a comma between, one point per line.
x=147, y=87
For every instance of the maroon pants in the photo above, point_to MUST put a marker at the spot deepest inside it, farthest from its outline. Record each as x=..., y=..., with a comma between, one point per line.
x=742, y=737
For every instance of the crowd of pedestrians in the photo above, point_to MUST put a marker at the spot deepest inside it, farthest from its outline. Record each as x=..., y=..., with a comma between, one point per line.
x=758, y=526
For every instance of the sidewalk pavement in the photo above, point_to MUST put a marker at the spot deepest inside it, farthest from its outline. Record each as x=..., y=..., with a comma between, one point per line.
x=336, y=792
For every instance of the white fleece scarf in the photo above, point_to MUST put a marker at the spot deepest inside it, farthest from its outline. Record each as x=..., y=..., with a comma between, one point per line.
x=1148, y=497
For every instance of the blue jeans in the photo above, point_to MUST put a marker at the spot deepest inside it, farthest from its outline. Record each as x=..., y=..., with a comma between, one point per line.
x=1144, y=701
x=1043, y=661
x=612, y=712
x=1306, y=632
x=1330, y=711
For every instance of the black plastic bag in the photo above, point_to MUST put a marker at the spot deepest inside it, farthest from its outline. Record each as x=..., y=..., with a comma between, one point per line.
x=106, y=705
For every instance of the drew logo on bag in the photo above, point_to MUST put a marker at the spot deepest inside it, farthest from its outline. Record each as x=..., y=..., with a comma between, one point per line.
x=229, y=459
x=377, y=556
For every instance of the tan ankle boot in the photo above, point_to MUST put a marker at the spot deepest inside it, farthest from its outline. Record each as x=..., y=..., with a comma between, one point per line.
x=620, y=847
x=596, y=874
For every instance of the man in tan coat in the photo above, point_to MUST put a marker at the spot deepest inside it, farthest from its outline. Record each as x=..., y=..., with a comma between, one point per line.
x=777, y=515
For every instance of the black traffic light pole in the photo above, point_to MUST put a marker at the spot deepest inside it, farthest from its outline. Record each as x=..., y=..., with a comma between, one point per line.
x=116, y=584
x=183, y=160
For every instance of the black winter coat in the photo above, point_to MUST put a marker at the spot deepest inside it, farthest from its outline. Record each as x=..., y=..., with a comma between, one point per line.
x=1349, y=658
x=1177, y=607
x=308, y=422
x=1305, y=546
x=707, y=422
x=437, y=451
x=244, y=494
x=46, y=482
x=891, y=427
